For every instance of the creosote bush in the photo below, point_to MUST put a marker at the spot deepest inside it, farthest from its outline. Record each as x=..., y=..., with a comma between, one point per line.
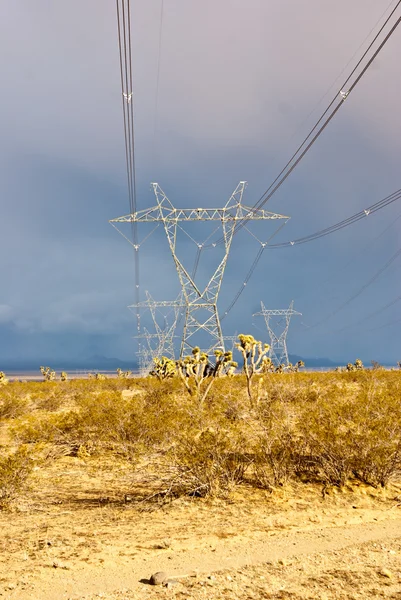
x=15, y=469
x=328, y=428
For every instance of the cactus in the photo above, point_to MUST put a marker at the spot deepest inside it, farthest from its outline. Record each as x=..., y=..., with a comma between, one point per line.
x=164, y=368
x=48, y=373
x=255, y=359
x=63, y=376
x=356, y=366
x=3, y=379
x=295, y=368
x=196, y=369
x=123, y=374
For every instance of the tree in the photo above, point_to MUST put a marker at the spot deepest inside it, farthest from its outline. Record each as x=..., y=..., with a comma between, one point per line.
x=164, y=368
x=123, y=374
x=254, y=354
x=48, y=373
x=194, y=370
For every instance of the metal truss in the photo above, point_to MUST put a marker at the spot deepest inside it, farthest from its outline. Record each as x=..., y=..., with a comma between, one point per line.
x=161, y=342
x=278, y=344
x=201, y=314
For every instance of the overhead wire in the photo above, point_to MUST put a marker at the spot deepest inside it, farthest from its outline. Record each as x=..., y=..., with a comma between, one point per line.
x=359, y=291
x=156, y=109
x=305, y=146
x=307, y=143
x=362, y=214
x=262, y=248
x=311, y=138
x=328, y=230
x=371, y=315
x=344, y=266
x=385, y=325
x=127, y=93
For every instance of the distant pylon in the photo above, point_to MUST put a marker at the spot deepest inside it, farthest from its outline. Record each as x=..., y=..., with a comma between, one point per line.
x=277, y=333
x=201, y=314
x=161, y=342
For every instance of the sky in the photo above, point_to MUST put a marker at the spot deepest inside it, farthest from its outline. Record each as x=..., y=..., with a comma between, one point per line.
x=224, y=91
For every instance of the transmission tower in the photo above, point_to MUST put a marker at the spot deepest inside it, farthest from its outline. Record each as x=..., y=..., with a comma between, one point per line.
x=201, y=314
x=161, y=342
x=277, y=331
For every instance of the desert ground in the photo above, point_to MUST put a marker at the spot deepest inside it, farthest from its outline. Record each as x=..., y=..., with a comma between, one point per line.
x=91, y=524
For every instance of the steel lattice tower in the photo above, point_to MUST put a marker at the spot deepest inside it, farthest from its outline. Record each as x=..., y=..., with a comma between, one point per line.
x=161, y=342
x=278, y=340
x=201, y=312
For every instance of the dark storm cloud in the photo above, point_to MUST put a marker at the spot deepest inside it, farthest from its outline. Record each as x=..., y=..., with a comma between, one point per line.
x=238, y=81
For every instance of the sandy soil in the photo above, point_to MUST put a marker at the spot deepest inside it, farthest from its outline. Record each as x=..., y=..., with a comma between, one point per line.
x=74, y=537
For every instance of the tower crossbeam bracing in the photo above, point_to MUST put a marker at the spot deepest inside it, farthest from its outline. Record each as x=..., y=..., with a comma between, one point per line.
x=201, y=314
x=278, y=332
x=161, y=342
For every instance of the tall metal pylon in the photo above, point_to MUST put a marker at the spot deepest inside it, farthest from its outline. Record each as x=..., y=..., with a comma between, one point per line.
x=201, y=314
x=278, y=339
x=161, y=341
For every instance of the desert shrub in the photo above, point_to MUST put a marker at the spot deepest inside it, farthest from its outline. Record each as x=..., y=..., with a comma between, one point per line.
x=50, y=397
x=13, y=402
x=49, y=428
x=15, y=469
x=358, y=434
x=208, y=463
x=378, y=438
x=276, y=445
x=3, y=378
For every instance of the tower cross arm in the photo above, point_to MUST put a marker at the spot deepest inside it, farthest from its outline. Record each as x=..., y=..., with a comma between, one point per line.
x=230, y=213
x=148, y=215
x=157, y=304
x=276, y=313
x=254, y=214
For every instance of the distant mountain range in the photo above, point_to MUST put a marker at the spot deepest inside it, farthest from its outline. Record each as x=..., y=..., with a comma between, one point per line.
x=314, y=362
x=93, y=363
x=105, y=363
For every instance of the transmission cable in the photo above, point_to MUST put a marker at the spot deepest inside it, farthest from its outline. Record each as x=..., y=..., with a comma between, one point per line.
x=393, y=197
x=127, y=91
x=371, y=315
x=359, y=291
x=323, y=122
x=301, y=151
x=345, y=223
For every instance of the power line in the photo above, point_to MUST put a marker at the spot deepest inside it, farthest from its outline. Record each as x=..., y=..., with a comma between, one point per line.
x=323, y=121
x=372, y=315
x=321, y=233
x=155, y=124
x=353, y=258
x=301, y=151
x=393, y=197
x=127, y=93
x=360, y=290
x=385, y=325
x=307, y=144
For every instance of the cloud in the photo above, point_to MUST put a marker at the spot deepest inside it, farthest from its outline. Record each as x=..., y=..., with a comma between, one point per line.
x=238, y=90
x=6, y=314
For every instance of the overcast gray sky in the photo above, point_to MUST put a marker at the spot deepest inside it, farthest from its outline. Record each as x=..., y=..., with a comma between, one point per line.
x=238, y=81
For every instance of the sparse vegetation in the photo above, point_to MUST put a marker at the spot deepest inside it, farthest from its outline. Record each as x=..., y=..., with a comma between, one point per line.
x=15, y=469
x=123, y=374
x=255, y=359
x=198, y=374
x=3, y=379
x=48, y=373
x=327, y=428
